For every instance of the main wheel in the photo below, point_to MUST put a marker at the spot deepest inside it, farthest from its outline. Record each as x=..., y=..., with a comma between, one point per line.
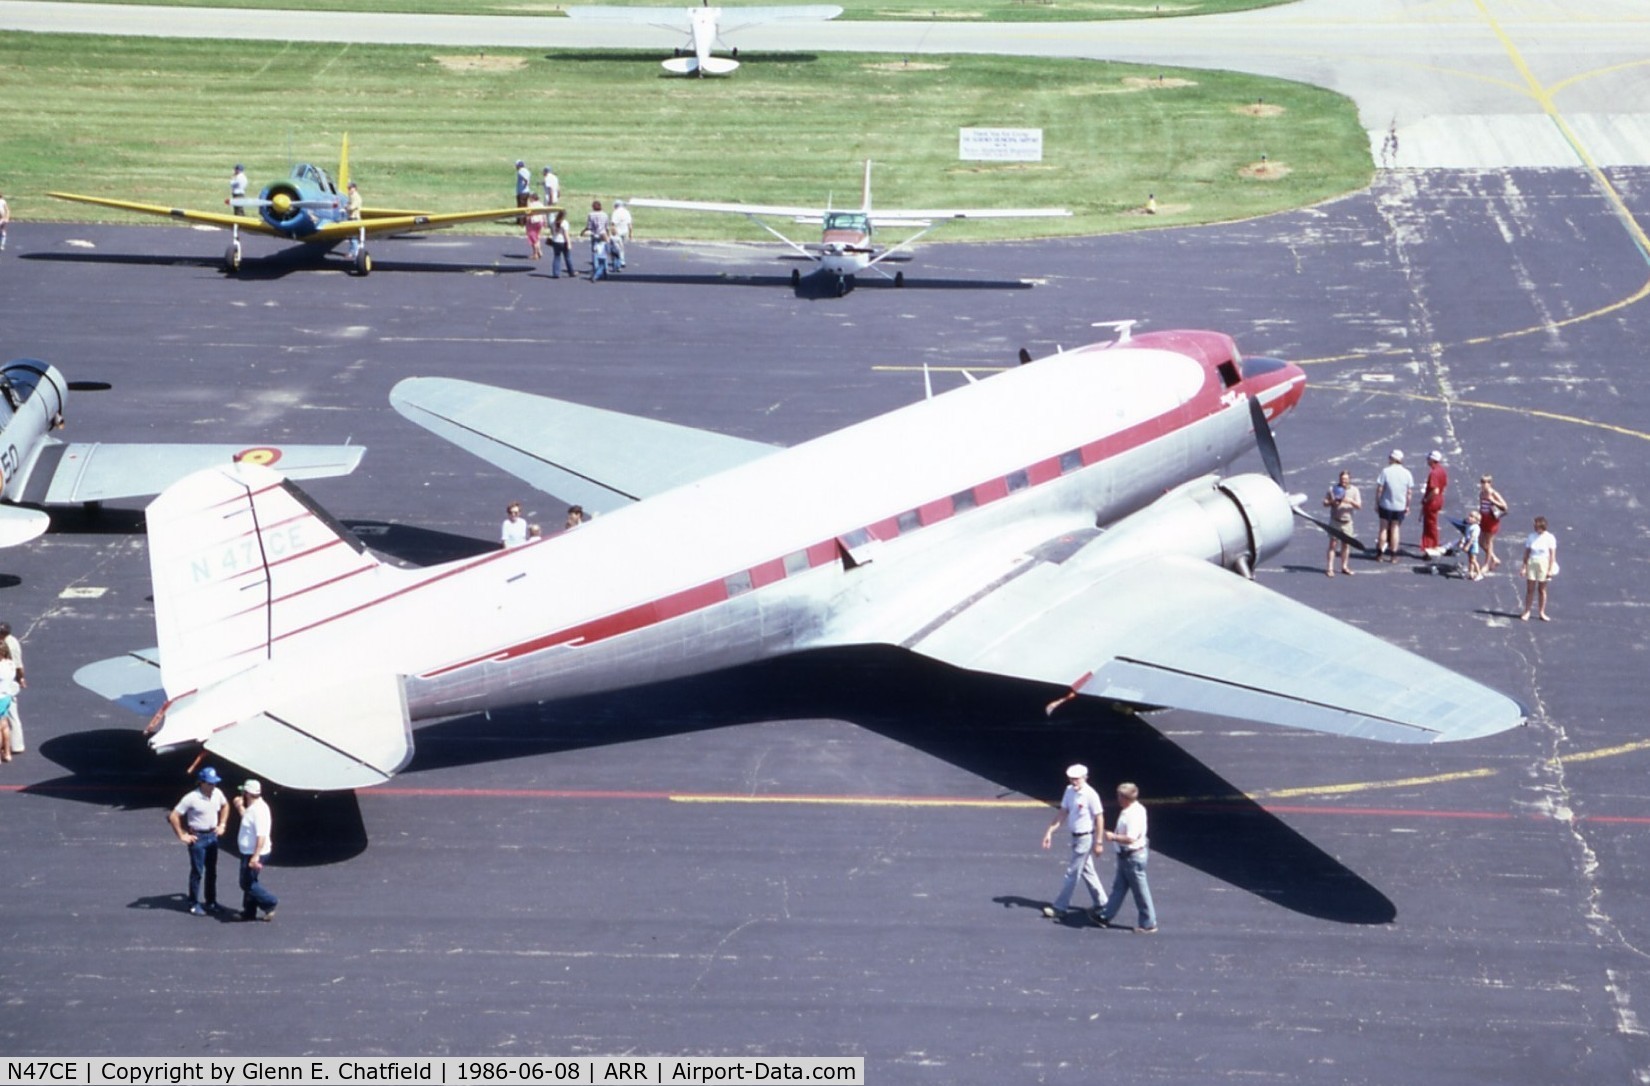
x=796, y=278
x=363, y=263
x=232, y=258
x=899, y=279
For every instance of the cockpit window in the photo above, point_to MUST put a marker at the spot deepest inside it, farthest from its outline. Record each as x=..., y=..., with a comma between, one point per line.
x=847, y=220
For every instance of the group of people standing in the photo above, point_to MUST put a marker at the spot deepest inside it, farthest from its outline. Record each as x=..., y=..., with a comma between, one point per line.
x=1394, y=492
x=200, y=818
x=1083, y=817
x=609, y=233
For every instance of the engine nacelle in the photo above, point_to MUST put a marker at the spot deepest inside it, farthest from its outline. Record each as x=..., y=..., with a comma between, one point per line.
x=283, y=210
x=1237, y=522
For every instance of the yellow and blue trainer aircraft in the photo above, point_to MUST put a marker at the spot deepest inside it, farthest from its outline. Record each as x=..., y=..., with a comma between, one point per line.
x=309, y=207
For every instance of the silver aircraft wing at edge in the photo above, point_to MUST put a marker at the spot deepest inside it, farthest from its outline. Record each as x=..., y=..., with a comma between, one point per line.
x=64, y=474
x=1178, y=632
x=602, y=460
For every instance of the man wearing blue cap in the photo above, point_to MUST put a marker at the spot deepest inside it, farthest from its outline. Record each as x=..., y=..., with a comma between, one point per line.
x=198, y=819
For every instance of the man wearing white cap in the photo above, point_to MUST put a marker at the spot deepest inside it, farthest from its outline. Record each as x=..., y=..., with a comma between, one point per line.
x=254, y=841
x=1081, y=814
x=1393, y=488
x=1432, y=503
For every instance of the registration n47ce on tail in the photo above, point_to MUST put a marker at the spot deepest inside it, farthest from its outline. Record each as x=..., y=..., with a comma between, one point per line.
x=1060, y=522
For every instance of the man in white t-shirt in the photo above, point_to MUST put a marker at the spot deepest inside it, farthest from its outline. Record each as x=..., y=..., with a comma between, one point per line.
x=1130, y=838
x=1081, y=814
x=513, y=532
x=198, y=820
x=254, y=840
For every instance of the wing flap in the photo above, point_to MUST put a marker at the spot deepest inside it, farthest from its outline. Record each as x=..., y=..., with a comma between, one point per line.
x=600, y=459
x=1176, y=632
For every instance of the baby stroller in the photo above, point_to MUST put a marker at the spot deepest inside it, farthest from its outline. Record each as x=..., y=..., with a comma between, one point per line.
x=1467, y=552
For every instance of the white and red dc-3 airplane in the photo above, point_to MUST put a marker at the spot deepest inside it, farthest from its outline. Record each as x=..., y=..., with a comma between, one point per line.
x=1058, y=522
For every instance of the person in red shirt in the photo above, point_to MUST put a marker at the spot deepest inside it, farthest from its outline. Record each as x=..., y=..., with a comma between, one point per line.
x=1432, y=503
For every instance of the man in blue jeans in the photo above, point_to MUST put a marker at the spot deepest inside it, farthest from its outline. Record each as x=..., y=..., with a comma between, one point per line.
x=1130, y=839
x=254, y=840
x=198, y=820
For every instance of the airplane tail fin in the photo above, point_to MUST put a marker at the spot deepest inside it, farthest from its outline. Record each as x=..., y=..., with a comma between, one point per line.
x=343, y=165
x=250, y=581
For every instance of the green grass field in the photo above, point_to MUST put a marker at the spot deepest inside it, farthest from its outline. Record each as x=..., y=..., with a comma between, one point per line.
x=435, y=129
x=939, y=10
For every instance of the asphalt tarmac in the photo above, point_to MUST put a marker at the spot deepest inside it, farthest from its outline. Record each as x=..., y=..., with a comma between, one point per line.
x=838, y=854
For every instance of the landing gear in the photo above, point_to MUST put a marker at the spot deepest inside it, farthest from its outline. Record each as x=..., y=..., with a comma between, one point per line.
x=899, y=279
x=232, y=258
x=796, y=278
x=844, y=284
x=363, y=262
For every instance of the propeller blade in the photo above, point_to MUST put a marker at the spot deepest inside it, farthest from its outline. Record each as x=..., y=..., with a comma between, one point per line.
x=89, y=386
x=1265, y=443
x=1338, y=533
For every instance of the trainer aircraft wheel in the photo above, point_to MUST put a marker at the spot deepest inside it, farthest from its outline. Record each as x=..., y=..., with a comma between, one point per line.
x=796, y=278
x=232, y=258
x=899, y=279
x=363, y=263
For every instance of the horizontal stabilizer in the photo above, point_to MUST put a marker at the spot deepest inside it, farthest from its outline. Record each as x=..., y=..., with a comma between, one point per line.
x=602, y=460
x=131, y=681
x=21, y=525
x=351, y=734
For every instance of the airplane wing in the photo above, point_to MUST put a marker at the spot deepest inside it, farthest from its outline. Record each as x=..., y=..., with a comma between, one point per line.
x=69, y=473
x=804, y=214
x=737, y=18
x=387, y=223
x=1177, y=632
x=670, y=18
x=599, y=459
x=249, y=223
x=922, y=217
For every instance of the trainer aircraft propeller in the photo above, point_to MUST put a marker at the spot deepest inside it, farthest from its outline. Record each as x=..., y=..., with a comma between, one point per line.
x=38, y=469
x=1060, y=522
x=307, y=206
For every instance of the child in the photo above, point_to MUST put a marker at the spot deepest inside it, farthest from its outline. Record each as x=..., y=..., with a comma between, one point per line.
x=1469, y=543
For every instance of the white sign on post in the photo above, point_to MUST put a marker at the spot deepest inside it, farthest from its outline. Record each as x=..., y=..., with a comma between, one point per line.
x=1000, y=144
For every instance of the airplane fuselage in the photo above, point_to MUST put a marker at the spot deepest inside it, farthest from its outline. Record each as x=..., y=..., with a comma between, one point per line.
x=32, y=397
x=780, y=554
x=302, y=202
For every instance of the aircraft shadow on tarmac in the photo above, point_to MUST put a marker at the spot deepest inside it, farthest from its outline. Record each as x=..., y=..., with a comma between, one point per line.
x=991, y=727
x=113, y=767
x=654, y=56
x=277, y=265
x=818, y=285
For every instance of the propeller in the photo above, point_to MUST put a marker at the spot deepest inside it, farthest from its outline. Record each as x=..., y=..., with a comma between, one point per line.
x=1267, y=446
x=89, y=386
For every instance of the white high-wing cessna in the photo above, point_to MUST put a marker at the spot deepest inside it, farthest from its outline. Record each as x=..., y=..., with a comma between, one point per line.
x=38, y=469
x=1056, y=522
x=704, y=26
x=846, y=246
